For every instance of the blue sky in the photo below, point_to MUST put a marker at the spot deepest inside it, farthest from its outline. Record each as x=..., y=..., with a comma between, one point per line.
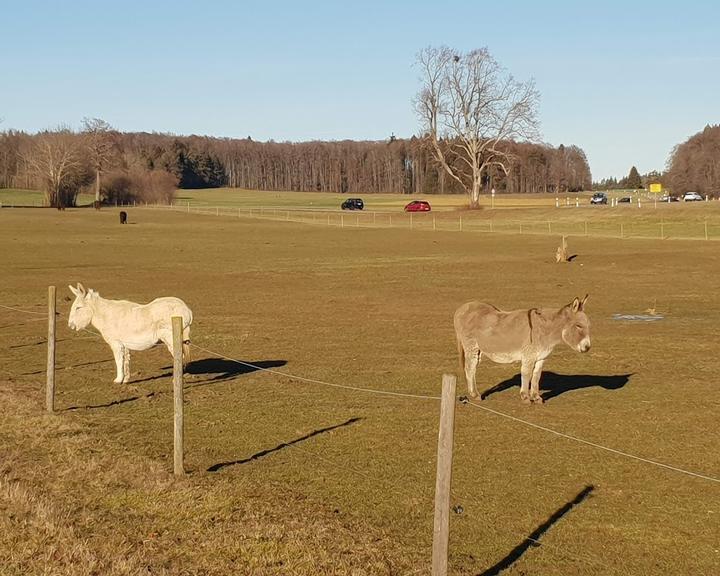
x=625, y=81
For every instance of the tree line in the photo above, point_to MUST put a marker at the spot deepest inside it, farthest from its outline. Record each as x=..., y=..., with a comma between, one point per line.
x=142, y=166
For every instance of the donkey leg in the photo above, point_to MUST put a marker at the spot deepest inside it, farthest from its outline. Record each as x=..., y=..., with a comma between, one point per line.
x=525, y=374
x=471, y=362
x=126, y=365
x=535, y=383
x=117, y=350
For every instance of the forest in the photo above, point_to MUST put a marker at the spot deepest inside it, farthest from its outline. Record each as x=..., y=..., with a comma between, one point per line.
x=124, y=163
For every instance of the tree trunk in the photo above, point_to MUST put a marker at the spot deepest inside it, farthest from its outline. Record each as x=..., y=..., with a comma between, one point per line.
x=475, y=194
x=97, y=185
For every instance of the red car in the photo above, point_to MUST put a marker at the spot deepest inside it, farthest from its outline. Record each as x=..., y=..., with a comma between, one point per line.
x=418, y=206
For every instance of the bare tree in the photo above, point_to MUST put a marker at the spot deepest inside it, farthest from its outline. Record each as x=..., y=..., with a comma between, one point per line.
x=469, y=106
x=98, y=139
x=56, y=160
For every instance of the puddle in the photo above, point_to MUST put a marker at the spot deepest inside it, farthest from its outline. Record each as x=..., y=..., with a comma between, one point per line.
x=638, y=317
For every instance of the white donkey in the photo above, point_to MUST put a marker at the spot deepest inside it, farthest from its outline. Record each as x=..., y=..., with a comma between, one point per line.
x=525, y=336
x=129, y=326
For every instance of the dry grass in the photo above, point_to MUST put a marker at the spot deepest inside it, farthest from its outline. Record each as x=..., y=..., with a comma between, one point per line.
x=317, y=480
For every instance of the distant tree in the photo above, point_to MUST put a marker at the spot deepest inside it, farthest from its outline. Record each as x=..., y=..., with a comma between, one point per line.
x=633, y=179
x=694, y=165
x=57, y=162
x=98, y=139
x=468, y=106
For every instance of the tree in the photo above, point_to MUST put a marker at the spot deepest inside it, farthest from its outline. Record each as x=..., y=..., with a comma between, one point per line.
x=469, y=107
x=695, y=164
x=99, y=142
x=633, y=179
x=56, y=161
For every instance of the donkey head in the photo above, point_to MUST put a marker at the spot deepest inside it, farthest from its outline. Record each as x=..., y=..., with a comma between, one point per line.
x=576, y=332
x=81, y=312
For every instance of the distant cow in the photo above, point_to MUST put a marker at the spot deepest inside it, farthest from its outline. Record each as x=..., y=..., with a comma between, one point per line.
x=123, y=217
x=525, y=336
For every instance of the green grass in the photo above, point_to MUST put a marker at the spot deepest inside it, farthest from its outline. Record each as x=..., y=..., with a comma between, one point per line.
x=90, y=489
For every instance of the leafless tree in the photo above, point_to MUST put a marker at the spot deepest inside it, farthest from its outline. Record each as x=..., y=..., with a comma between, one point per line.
x=56, y=160
x=469, y=106
x=99, y=142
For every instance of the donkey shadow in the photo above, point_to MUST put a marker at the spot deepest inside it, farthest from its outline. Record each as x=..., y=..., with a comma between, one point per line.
x=218, y=369
x=553, y=384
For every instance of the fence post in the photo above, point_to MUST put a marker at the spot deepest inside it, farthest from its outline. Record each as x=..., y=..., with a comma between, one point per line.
x=342, y=220
x=50, y=385
x=178, y=435
x=441, y=525
x=549, y=229
x=520, y=227
x=662, y=230
x=460, y=222
x=217, y=211
x=622, y=230
x=434, y=223
x=374, y=214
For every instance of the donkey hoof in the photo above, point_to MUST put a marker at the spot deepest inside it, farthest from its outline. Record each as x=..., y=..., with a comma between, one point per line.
x=525, y=400
x=537, y=400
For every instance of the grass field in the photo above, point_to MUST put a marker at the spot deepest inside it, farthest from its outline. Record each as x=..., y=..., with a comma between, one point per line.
x=292, y=477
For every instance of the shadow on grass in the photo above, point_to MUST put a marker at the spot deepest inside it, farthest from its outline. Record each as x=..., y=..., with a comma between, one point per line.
x=109, y=404
x=532, y=539
x=67, y=367
x=218, y=369
x=553, y=384
x=256, y=456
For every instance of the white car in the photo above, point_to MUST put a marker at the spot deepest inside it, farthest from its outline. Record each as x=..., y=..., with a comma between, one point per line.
x=692, y=197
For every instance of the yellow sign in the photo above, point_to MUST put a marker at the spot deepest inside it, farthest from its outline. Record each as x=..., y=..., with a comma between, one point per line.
x=656, y=188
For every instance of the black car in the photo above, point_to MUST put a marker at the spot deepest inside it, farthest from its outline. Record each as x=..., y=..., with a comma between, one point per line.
x=353, y=204
x=625, y=200
x=598, y=198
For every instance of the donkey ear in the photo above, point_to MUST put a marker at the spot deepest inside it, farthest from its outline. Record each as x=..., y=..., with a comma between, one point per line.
x=576, y=305
x=582, y=304
x=81, y=288
x=74, y=290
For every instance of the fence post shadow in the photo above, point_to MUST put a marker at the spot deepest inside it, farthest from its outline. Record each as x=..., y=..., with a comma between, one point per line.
x=532, y=539
x=257, y=455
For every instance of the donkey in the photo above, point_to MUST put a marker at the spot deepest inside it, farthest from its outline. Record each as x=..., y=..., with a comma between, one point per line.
x=525, y=336
x=129, y=326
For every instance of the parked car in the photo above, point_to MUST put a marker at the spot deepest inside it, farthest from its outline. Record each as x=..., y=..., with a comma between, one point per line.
x=353, y=204
x=692, y=197
x=599, y=198
x=418, y=206
x=669, y=198
x=625, y=200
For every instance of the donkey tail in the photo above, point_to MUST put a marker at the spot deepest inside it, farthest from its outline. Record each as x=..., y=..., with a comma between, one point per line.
x=186, y=345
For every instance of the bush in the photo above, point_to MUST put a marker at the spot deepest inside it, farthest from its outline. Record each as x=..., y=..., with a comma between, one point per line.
x=148, y=186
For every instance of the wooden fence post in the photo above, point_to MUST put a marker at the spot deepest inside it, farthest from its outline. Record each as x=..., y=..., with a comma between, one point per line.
x=50, y=384
x=441, y=525
x=178, y=421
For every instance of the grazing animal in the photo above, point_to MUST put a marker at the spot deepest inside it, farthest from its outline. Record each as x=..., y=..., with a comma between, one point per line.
x=123, y=217
x=525, y=336
x=129, y=326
